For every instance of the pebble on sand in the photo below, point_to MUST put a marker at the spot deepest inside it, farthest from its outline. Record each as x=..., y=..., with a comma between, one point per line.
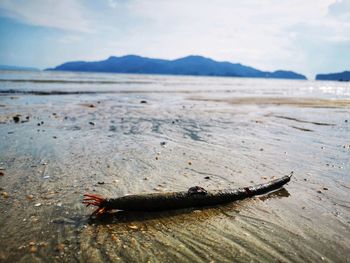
x=16, y=118
x=33, y=249
x=60, y=247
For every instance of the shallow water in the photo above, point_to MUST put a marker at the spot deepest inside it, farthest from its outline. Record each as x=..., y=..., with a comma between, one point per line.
x=96, y=137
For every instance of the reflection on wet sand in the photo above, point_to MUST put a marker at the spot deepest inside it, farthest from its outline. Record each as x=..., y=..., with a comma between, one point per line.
x=303, y=121
x=172, y=235
x=291, y=101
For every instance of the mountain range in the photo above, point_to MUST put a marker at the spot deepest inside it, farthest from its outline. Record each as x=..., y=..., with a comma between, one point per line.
x=341, y=76
x=190, y=65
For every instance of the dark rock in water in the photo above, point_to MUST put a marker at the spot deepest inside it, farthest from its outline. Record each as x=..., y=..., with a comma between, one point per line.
x=101, y=182
x=162, y=143
x=91, y=123
x=16, y=118
x=143, y=101
x=207, y=177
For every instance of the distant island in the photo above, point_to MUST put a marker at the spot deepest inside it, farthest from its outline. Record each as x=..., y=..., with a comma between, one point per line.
x=341, y=76
x=7, y=67
x=190, y=65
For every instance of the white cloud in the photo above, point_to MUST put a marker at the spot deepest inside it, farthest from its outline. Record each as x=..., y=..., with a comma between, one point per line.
x=70, y=39
x=254, y=32
x=267, y=34
x=62, y=14
x=261, y=33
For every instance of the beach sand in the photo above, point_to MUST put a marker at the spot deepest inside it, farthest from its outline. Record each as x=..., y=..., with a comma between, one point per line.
x=62, y=146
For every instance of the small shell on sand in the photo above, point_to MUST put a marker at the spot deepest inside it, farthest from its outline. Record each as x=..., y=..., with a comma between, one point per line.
x=60, y=247
x=33, y=249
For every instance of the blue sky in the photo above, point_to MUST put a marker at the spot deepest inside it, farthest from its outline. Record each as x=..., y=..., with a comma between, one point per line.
x=310, y=36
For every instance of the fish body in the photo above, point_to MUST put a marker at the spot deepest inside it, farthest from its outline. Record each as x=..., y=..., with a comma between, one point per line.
x=194, y=197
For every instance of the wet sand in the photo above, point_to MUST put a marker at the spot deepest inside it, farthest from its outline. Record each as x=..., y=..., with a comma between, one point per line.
x=112, y=144
x=291, y=101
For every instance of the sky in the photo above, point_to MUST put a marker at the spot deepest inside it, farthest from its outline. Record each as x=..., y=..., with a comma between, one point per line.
x=308, y=37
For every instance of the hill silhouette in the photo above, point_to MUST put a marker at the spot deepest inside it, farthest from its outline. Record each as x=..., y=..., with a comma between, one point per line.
x=341, y=76
x=190, y=65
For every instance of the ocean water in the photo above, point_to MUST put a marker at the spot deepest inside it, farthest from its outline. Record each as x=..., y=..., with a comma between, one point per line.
x=113, y=135
x=72, y=82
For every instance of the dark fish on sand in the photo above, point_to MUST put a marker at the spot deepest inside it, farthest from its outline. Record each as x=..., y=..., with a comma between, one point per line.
x=194, y=197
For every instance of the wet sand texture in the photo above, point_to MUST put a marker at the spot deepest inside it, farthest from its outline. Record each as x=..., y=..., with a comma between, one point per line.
x=172, y=142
